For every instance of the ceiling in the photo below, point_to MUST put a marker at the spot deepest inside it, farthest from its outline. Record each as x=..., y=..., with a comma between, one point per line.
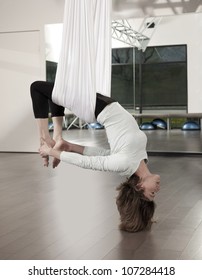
x=144, y=8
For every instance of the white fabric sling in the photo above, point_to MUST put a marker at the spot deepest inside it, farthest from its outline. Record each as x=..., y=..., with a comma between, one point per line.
x=84, y=66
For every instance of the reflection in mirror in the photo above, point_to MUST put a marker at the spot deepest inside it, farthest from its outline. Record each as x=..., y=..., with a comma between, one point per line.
x=135, y=71
x=161, y=87
x=155, y=62
x=167, y=64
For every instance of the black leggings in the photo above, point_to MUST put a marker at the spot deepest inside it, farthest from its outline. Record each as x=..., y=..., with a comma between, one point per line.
x=41, y=94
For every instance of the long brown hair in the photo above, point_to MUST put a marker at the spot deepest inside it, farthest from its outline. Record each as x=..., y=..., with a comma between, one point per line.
x=135, y=210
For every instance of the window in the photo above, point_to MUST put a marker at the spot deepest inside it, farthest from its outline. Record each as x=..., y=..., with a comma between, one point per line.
x=152, y=80
x=122, y=84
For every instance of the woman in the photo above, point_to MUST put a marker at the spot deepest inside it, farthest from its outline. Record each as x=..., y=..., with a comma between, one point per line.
x=126, y=156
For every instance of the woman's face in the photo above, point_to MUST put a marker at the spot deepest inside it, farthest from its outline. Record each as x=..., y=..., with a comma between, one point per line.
x=150, y=185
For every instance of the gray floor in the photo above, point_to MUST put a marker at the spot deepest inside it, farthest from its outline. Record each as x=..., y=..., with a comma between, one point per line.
x=70, y=213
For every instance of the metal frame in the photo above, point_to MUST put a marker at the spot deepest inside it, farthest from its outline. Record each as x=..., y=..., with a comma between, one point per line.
x=124, y=32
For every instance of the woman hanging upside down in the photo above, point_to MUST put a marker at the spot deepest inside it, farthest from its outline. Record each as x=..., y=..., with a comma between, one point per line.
x=127, y=154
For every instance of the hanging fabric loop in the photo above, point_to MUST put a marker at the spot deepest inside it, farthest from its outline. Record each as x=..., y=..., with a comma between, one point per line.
x=84, y=66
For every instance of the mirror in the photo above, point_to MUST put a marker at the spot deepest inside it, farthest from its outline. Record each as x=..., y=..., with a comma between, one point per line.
x=169, y=49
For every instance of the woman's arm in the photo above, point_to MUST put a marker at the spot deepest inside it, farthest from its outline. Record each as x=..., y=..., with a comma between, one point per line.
x=87, y=150
x=72, y=154
x=113, y=163
x=96, y=151
x=66, y=146
x=60, y=146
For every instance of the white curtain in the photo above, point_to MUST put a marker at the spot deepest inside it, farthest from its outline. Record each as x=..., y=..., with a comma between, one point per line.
x=84, y=66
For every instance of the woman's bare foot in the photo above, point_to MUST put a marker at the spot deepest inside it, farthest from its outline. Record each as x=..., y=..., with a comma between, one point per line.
x=55, y=162
x=60, y=145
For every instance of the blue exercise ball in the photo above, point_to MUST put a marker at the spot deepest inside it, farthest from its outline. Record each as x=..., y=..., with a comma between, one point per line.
x=159, y=123
x=147, y=126
x=190, y=125
x=95, y=125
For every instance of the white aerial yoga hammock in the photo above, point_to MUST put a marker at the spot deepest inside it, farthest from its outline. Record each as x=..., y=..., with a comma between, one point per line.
x=84, y=66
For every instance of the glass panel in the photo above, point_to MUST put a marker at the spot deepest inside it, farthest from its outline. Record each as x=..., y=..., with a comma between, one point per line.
x=162, y=54
x=122, y=85
x=164, y=85
x=163, y=77
x=51, y=68
x=122, y=56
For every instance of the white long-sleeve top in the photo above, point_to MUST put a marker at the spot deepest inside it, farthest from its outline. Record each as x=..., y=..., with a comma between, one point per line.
x=127, y=144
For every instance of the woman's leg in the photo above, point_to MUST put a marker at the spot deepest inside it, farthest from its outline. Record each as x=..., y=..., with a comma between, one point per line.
x=41, y=94
x=57, y=125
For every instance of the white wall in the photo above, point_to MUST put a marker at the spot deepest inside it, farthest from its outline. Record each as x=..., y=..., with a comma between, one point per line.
x=29, y=14
x=22, y=61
